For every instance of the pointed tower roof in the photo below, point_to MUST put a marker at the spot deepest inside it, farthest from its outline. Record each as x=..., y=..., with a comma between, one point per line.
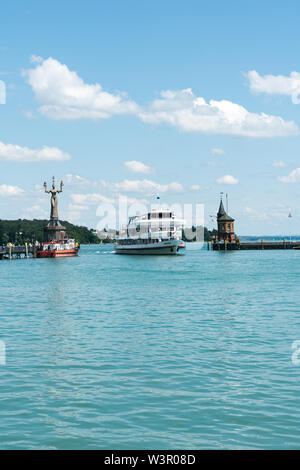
x=222, y=216
x=221, y=210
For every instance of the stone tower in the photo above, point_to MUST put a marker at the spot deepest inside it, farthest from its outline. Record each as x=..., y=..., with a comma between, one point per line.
x=225, y=225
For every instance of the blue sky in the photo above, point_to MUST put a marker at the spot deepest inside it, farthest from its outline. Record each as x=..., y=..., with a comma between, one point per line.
x=85, y=80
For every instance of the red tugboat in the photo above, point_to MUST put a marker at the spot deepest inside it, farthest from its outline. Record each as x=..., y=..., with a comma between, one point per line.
x=58, y=249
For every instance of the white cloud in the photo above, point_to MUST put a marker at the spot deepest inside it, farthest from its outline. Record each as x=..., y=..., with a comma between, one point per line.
x=77, y=180
x=134, y=200
x=190, y=113
x=217, y=151
x=73, y=216
x=195, y=187
x=28, y=114
x=36, y=59
x=278, y=163
x=276, y=84
x=293, y=177
x=77, y=207
x=64, y=95
x=36, y=210
x=142, y=186
x=16, y=153
x=256, y=214
x=93, y=198
x=249, y=210
x=280, y=212
x=7, y=190
x=138, y=167
x=227, y=179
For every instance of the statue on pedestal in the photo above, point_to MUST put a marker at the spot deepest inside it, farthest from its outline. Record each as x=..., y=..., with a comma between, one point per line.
x=54, y=200
x=54, y=230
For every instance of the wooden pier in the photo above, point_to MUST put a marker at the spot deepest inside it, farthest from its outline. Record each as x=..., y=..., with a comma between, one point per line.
x=257, y=245
x=23, y=251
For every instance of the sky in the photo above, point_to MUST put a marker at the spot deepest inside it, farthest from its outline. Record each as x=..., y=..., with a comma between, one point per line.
x=181, y=99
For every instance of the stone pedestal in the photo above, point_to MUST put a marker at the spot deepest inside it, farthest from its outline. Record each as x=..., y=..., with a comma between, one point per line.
x=54, y=231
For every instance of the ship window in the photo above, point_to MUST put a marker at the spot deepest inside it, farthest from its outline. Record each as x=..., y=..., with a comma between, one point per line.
x=160, y=215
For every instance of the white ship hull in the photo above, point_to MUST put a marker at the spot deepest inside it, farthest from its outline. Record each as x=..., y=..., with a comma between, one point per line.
x=169, y=247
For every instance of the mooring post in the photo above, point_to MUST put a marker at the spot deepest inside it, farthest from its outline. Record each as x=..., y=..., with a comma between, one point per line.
x=26, y=249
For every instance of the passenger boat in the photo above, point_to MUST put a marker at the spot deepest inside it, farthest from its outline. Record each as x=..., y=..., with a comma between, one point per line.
x=157, y=232
x=58, y=249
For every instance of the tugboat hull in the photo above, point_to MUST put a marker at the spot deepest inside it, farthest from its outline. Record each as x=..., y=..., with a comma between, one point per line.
x=56, y=254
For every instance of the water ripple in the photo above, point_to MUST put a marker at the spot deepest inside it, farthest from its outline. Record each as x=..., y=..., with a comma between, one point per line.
x=107, y=351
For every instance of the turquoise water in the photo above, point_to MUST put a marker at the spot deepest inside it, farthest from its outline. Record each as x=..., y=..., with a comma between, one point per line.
x=125, y=352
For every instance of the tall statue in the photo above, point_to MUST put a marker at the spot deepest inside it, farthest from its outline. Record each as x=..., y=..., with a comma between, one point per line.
x=54, y=200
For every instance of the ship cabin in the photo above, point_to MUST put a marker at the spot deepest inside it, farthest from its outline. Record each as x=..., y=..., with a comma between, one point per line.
x=154, y=226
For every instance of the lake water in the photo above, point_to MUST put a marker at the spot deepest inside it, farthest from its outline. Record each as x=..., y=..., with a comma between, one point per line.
x=124, y=352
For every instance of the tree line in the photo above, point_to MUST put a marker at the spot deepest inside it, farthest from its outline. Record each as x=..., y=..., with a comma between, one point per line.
x=22, y=230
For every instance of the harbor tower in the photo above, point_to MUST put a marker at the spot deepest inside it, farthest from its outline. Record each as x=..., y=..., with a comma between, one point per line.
x=225, y=225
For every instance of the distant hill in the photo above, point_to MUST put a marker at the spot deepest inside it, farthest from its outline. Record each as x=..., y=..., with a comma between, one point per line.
x=22, y=230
